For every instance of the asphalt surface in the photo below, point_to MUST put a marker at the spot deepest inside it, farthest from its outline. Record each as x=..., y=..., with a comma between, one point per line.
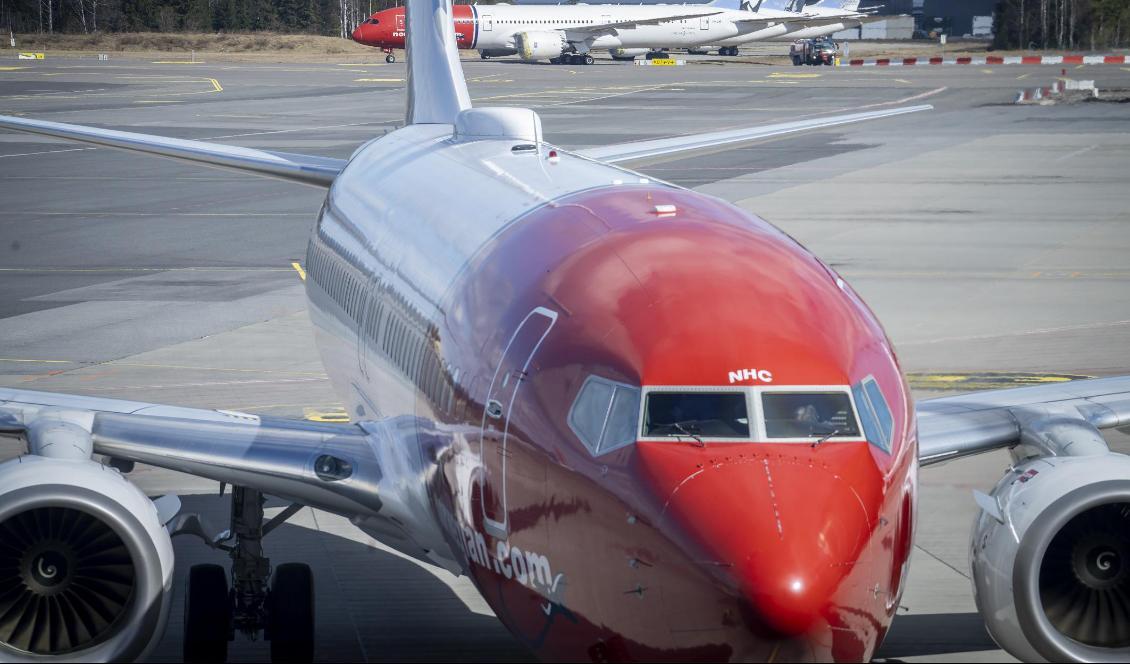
x=988, y=237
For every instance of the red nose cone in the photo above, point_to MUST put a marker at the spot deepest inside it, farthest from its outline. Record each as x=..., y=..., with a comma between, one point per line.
x=779, y=522
x=359, y=34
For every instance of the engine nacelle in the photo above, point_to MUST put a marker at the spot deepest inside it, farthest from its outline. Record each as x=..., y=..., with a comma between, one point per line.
x=627, y=53
x=540, y=45
x=86, y=564
x=1051, y=559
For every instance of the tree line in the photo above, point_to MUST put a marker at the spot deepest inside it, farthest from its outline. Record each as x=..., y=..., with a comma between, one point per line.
x=1092, y=25
x=323, y=17
x=1062, y=24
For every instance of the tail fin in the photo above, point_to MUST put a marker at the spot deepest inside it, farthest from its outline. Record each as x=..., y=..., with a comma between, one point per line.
x=437, y=91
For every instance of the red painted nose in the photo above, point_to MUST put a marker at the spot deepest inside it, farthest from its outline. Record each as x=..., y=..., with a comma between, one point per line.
x=359, y=34
x=783, y=528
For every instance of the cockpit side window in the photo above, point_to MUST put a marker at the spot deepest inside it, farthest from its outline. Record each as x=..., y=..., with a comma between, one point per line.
x=878, y=424
x=808, y=415
x=604, y=414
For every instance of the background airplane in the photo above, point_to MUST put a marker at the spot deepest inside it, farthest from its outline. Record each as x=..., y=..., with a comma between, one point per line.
x=801, y=22
x=566, y=34
x=647, y=424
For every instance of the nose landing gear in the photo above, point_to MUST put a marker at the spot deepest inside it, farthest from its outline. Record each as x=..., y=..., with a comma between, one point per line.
x=389, y=58
x=278, y=606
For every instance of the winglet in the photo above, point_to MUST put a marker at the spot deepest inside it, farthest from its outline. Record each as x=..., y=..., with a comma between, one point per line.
x=437, y=91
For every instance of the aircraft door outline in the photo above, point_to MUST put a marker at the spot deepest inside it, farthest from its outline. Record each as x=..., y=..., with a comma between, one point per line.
x=501, y=395
x=369, y=324
x=488, y=22
x=704, y=23
x=400, y=22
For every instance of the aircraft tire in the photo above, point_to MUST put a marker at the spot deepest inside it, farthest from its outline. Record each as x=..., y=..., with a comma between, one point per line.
x=207, y=615
x=290, y=614
x=390, y=58
x=588, y=59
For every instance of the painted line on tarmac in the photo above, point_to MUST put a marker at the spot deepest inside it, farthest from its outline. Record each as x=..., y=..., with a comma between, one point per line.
x=778, y=74
x=219, y=383
x=28, y=361
x=32, y=154
x=336, y=414
x=1023, y=333
x=298, y=268
x=34, y=213
x=378, y=80
x=113, y=270
x=146, y=365
x=985, y=380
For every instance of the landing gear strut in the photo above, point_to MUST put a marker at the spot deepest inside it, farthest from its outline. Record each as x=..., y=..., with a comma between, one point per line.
x=389, y=58
x=281, y=607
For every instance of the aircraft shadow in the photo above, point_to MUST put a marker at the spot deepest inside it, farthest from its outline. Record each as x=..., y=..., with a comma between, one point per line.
x=371, y=605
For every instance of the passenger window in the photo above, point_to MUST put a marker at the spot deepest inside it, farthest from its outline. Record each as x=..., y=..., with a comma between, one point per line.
x=604, y=414
x=808, y=415
x=706, y=414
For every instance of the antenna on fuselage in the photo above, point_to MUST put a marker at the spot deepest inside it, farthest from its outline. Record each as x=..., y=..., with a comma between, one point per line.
x=437, y=91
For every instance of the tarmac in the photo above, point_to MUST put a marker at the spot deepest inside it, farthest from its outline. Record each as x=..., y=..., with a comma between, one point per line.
x=992, y=240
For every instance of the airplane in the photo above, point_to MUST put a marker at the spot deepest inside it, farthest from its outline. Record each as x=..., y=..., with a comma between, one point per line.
x=808, y=22
x=647, y=424
x=567, y=34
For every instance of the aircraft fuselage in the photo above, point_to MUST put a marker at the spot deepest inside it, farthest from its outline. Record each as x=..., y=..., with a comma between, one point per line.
x=474, y=321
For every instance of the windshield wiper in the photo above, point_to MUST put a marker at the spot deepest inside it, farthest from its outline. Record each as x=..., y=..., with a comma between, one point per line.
x=825, y=437
x=678, y=426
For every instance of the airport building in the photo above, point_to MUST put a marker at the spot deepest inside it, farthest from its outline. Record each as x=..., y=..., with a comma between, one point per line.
x=956, y=18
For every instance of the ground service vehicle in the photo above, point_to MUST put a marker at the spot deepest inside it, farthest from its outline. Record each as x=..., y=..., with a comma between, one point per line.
x=813, y=52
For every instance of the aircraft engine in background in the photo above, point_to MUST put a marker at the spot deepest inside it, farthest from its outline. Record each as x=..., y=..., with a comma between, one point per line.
x=627, y=53
x=1051, y=557
x=540, y=45
x=86, y=563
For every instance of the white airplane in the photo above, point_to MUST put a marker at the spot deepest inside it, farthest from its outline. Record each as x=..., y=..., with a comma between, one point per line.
x=806, y=22
x=567, y=34
x=647, y=424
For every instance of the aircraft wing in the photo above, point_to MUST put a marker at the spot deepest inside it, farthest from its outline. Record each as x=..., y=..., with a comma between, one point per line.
x=627, y=25
x=637, y=150
x=774, y=20
x=275, y=455
x=306, y=169
x=957, y=426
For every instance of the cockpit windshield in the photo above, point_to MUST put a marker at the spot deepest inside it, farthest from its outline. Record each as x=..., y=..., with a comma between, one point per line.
x=696, y=414
x=808, y=415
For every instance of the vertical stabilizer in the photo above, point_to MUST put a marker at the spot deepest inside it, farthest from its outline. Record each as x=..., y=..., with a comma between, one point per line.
x=437, y=91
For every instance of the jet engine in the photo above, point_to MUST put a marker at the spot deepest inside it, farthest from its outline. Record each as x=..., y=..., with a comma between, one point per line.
x=540, y=45
x=1051, y=559
x=627, y=53
x=86, y=564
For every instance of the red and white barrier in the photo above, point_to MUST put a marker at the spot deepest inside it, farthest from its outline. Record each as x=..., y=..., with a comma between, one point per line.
x=994, y=60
